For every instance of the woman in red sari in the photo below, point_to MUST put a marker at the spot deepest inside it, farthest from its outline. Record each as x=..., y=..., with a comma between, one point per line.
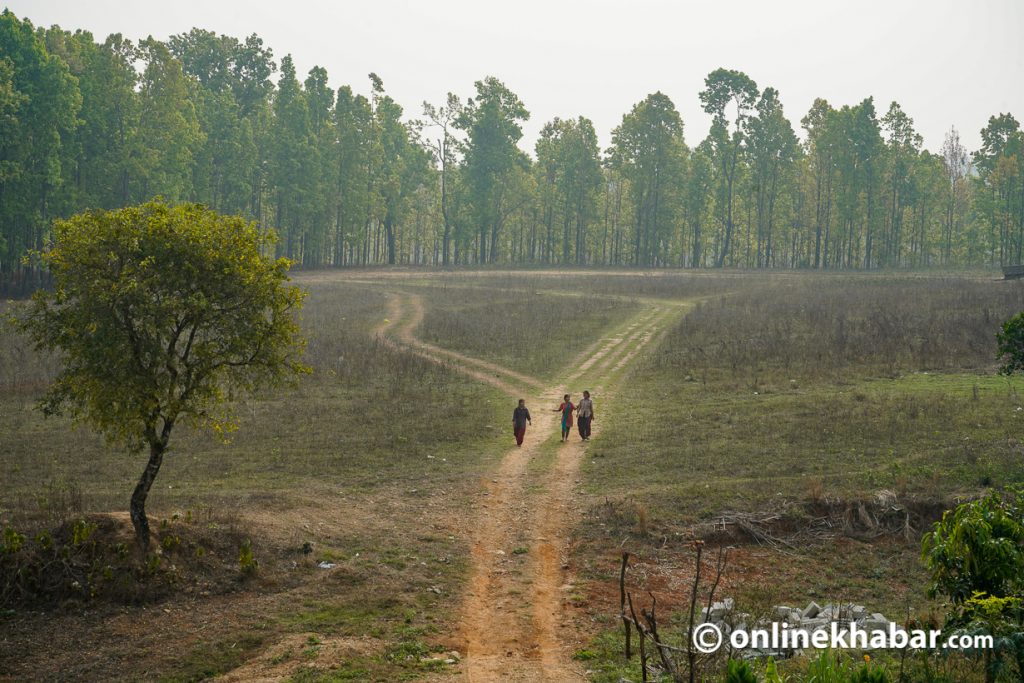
x=566, y=409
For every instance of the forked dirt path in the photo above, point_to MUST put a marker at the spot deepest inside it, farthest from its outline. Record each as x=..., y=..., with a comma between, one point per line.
x=512, y=613
x=405, y=314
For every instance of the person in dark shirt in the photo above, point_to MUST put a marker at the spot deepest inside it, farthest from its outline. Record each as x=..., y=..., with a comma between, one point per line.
x=520, y=416
x=585, y=415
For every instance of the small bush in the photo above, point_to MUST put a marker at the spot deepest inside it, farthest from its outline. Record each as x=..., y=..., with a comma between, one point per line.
x=977, y=548
x=247, y=563
x=739, y=672
x=1010, y=341
x=832, y=667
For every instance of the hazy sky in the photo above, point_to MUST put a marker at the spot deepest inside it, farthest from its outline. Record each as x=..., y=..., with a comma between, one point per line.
x=947, y=63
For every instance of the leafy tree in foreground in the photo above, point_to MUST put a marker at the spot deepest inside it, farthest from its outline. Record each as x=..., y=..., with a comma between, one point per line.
x=977, y=548
x=975, y=555
x=162, y=314
x=1010, y=342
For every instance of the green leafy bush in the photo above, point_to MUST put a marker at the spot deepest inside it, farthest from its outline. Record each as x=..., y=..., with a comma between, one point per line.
x=247, y=562
x=739, y=672
x=833, y=667
x=977, y=548
x=1011, y=345
x=975, y=554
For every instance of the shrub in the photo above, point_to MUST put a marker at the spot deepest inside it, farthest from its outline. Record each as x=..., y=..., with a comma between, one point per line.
x=247, y=562
x=1010, y=341
x=832, y=667
x=977, y=548
x=739, y=672
x=976, y=558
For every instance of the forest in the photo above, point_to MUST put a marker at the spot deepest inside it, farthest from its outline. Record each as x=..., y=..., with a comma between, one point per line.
x=348, y=178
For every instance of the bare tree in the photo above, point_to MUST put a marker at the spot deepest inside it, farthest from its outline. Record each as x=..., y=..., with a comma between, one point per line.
x=955, y=160
x=444, y=149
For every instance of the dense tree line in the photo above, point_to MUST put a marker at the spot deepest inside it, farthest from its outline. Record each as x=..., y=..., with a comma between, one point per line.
x=351, y=179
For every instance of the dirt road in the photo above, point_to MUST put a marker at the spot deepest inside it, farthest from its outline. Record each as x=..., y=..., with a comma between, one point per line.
x=512, y=615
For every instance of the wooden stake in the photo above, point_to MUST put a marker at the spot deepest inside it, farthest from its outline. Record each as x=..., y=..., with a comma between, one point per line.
x=622, y=604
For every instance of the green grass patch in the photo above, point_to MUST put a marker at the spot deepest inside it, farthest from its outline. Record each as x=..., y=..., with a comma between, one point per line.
x=210, y=659
x=604, y=658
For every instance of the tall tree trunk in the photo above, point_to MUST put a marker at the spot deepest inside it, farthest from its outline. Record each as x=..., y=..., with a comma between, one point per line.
x=1020, y=236
x=444, y=198
x=339, y=219
x=604, y=237
x=389, y=233
x=869, y=241
x=580, y=240
x=639, y=227
x=747, y=261
x=696, y=243
x=652, y=225
x=818, y=211
x=828, y=224
x=533, y=235
x=729, y=168
x=727, y=240
x=495, y=229
x=549, y=223
x=769, y=256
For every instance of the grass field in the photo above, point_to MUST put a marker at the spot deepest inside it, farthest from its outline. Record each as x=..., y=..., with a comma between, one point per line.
x=745, y=397
x=359, y=451
x=796, y=398
x=800, y=402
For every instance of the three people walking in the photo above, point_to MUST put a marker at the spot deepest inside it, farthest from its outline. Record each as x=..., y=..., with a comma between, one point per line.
x=583, y=414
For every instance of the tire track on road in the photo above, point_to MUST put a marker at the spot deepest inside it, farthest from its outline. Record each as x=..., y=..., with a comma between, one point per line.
x=512, y=616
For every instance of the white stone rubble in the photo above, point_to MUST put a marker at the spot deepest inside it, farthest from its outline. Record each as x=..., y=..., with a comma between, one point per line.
x=811, y=618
